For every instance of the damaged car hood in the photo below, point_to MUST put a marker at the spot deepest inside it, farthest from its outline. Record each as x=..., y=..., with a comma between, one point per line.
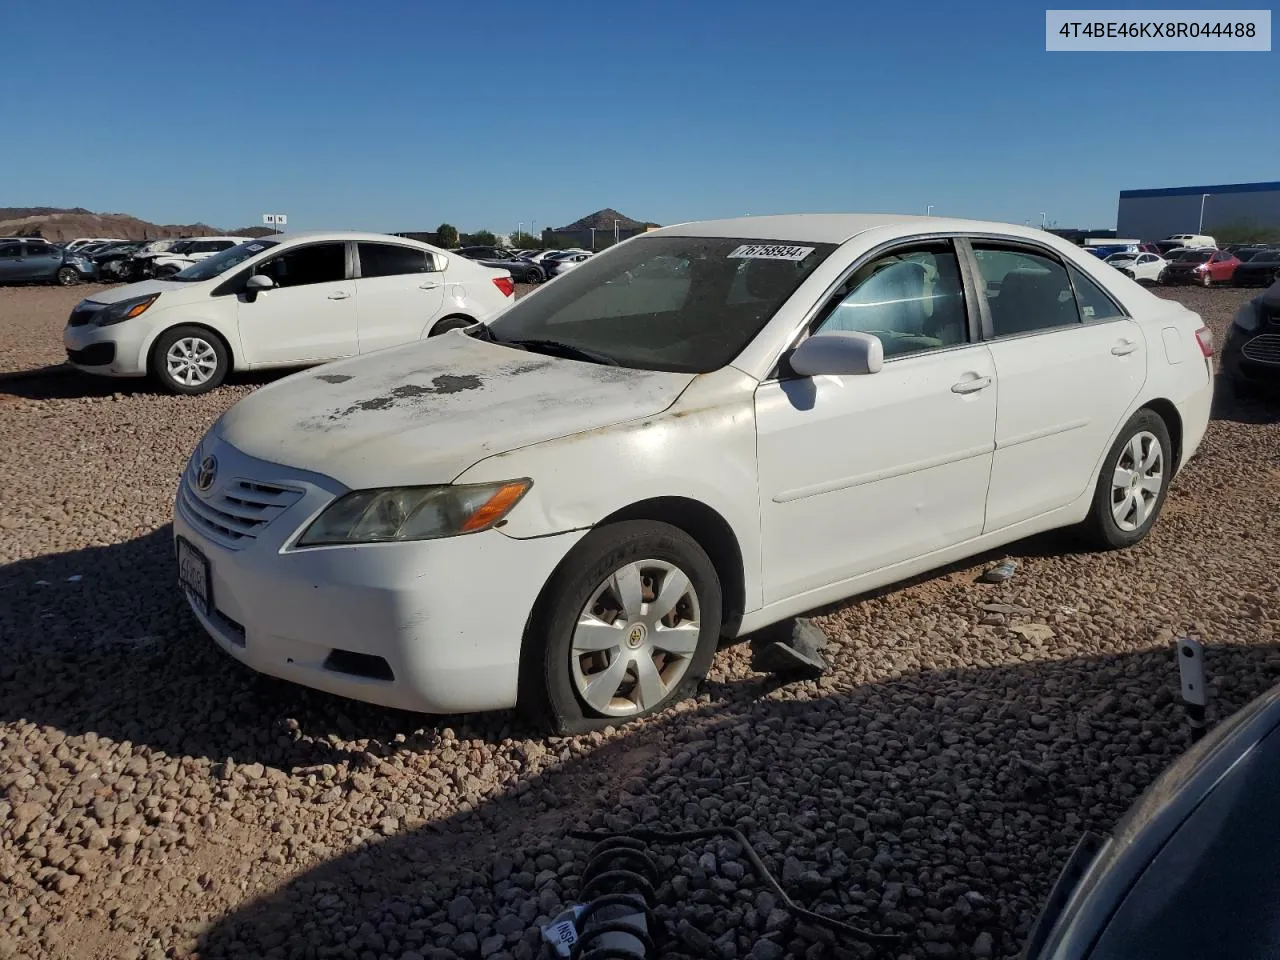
x=425, y=412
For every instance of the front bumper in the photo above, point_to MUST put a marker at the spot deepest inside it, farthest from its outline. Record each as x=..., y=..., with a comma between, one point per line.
x=1181, y=276
x=109, y=351
x=1252, y=357
x=431, y=626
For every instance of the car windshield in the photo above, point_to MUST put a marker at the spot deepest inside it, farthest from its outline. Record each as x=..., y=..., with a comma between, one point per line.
x=220, y=263
x=1116, y=257
x=1193, y=256
x=686, y=304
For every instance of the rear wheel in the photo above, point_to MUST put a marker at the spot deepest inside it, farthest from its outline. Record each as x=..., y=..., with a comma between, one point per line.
x=1133, y=484
x=189, y=360
x=627, y=626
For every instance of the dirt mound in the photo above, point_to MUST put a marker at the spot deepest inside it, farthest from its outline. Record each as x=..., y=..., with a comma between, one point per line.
x=67, y=224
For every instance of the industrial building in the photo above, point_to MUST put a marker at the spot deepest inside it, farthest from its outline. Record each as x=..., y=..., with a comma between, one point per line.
x=1155, y=214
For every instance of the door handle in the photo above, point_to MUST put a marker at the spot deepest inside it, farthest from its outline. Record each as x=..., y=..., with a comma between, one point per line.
x=971, y=386
x=1124, y=347
x=339, y=295
x=429, y=285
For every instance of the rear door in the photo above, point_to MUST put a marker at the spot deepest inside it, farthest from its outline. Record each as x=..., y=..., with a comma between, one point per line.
x=1069, y=362
x=310, y=315
x=399, y=292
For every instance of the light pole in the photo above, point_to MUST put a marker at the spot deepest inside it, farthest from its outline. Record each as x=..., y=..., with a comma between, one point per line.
x=593, y=239
x=1042, y=222
x=1203, y=198
x=615, y=233
x=929, y=211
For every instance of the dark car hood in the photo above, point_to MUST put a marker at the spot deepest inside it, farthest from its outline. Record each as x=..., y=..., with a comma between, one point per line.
x=1190, y=871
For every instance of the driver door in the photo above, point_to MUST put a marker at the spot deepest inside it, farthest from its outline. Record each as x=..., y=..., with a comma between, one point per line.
x=310, y=314
x=858, y=473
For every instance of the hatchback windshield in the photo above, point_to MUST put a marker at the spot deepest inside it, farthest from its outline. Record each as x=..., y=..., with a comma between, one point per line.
x=219, y=263
x=686, y=304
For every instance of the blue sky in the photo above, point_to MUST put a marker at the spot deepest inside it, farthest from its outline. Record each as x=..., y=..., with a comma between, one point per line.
x=400, y=115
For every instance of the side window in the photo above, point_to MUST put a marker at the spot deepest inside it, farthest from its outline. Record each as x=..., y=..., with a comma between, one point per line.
x=220, y=245
x=318, y=263
x=911, y=299
x=1026, y=291
x=1094, y=302
x=392, y=260
x=39, y=250
x=9, y=250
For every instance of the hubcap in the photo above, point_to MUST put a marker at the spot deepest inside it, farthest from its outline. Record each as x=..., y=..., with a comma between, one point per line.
x=1137, y=481
x=635, y=638
x=191, y=361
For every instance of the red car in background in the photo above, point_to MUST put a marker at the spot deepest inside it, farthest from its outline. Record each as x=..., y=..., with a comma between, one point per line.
x=1205, y=267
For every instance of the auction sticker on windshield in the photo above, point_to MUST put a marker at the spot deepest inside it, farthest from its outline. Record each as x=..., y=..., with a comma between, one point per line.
x=770, y=251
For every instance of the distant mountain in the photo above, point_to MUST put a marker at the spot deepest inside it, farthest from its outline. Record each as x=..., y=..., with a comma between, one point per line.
x=67, y=223
x=604, y=220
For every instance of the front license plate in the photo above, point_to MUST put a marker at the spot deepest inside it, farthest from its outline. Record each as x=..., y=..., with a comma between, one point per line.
x=193, y=575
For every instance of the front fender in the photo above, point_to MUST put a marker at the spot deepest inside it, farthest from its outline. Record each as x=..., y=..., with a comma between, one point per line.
x=702, y=448
x=228, y=332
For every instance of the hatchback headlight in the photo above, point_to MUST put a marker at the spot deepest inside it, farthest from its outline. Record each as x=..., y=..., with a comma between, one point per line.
x=124, y=310
x=413, y=513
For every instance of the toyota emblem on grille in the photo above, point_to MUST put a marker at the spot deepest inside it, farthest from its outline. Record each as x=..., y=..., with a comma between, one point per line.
x=206, y=474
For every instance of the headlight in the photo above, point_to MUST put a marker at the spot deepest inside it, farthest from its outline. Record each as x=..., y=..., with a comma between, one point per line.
x=1247, y=318
x=125, y=310
x=413, y=513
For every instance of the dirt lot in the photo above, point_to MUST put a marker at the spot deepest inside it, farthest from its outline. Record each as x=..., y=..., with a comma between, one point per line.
x=157, y=800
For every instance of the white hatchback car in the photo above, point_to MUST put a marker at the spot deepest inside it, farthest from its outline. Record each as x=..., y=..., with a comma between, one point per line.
x=698, y=432
x=287, y=300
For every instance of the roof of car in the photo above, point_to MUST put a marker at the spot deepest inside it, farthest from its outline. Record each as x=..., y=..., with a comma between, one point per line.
x=338, y=235
x=834, y=227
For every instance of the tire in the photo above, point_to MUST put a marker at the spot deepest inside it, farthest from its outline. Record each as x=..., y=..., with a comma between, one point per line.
x=1129, y=274
x=450, y=323
x=166, y=271
x=1208, y=279
x=67, y=276
x=581, y=609
x=1115, y=520
x=189, y=360
x=534, y=276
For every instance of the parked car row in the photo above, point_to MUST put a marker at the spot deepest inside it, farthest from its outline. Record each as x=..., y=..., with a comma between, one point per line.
x=527, y=266
x=1244, y=266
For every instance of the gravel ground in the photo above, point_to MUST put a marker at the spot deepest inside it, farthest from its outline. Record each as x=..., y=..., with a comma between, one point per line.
x=158, y=800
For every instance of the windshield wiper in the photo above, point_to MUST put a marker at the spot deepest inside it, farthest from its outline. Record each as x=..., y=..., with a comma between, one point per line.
x=560, y=348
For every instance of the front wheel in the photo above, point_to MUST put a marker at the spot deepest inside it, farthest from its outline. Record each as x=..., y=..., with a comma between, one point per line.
x=68, y=276
x=165, y=272
x=1207, y=280
x=627, y=626
x=189, y=360
x=1133, y=484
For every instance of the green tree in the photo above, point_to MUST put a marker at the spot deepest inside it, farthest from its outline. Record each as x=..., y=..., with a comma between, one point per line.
x=447, y=235
x=481, y=238
x=522, y=240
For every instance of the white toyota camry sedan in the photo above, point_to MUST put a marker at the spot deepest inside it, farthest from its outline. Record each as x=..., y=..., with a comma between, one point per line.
x=703, y=430
x=285, y=300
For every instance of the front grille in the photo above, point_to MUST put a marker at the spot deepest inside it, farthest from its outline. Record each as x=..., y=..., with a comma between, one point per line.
x=1263, y=349
x=238, y=512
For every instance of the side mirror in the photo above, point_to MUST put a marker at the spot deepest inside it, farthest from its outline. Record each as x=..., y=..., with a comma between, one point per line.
x=257, y=283
x=838, y=353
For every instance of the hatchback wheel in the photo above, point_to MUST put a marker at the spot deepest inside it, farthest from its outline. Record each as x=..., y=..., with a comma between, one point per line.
x=1133, y=484
x=189, y=360
x=1207, y=279
x=627, y=626
x=68, y=276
